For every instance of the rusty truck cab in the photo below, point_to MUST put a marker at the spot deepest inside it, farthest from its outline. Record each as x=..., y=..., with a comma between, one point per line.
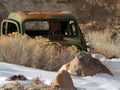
x=58, y=26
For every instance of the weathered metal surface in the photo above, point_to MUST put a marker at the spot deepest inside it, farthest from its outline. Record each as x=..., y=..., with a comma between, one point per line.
x=22, y=16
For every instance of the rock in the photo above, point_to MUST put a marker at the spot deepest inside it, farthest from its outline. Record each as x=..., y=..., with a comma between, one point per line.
x=16, y=77
x=91, y=66
x=63, y=80
x=73, y=67
x=85, y=65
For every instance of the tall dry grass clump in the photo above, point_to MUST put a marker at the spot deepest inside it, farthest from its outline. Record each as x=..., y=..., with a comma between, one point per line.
x=35, y=52
x=104, y=42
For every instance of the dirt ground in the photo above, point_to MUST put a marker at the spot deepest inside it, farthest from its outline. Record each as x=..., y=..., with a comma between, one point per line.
x=91, y=14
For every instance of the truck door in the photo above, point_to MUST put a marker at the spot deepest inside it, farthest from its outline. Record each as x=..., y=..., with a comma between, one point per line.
x=9, y=26
x=74, y=36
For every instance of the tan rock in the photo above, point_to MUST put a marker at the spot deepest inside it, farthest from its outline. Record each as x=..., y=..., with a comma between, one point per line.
x=73, y=67
x=85, y=65
x=90, y=65
x=63, y=80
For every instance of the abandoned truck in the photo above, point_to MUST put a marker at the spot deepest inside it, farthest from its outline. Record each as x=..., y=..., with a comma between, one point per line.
x=57, y=26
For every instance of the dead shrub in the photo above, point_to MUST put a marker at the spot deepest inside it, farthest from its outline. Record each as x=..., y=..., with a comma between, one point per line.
x=104, y=42
x=35, y=52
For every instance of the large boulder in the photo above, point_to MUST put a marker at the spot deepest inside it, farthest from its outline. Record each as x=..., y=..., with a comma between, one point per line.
x=73, y=67
x=85, y=65
x=63, y=80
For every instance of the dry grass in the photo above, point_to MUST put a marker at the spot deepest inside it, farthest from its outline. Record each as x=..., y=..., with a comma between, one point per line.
x=37, y=52
x=40, y=53
x=104, y=42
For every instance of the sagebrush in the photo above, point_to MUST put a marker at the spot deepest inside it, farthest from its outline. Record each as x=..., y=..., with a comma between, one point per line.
x=35, y=52
x=104, y=42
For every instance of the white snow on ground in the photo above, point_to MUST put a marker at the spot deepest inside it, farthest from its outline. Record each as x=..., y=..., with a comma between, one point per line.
x=96, y=82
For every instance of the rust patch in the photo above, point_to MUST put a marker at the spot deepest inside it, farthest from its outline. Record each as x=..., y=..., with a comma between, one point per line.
x=44, y=14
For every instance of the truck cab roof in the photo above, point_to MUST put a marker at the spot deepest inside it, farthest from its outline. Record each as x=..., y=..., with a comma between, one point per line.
x=21, y=16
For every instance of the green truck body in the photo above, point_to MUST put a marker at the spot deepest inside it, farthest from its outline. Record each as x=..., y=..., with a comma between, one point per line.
x=58, y=26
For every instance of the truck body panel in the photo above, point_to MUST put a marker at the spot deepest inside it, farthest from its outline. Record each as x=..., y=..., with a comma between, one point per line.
x=58, y=26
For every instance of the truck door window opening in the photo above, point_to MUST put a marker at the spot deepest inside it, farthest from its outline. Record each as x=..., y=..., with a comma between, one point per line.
x=9, y=27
